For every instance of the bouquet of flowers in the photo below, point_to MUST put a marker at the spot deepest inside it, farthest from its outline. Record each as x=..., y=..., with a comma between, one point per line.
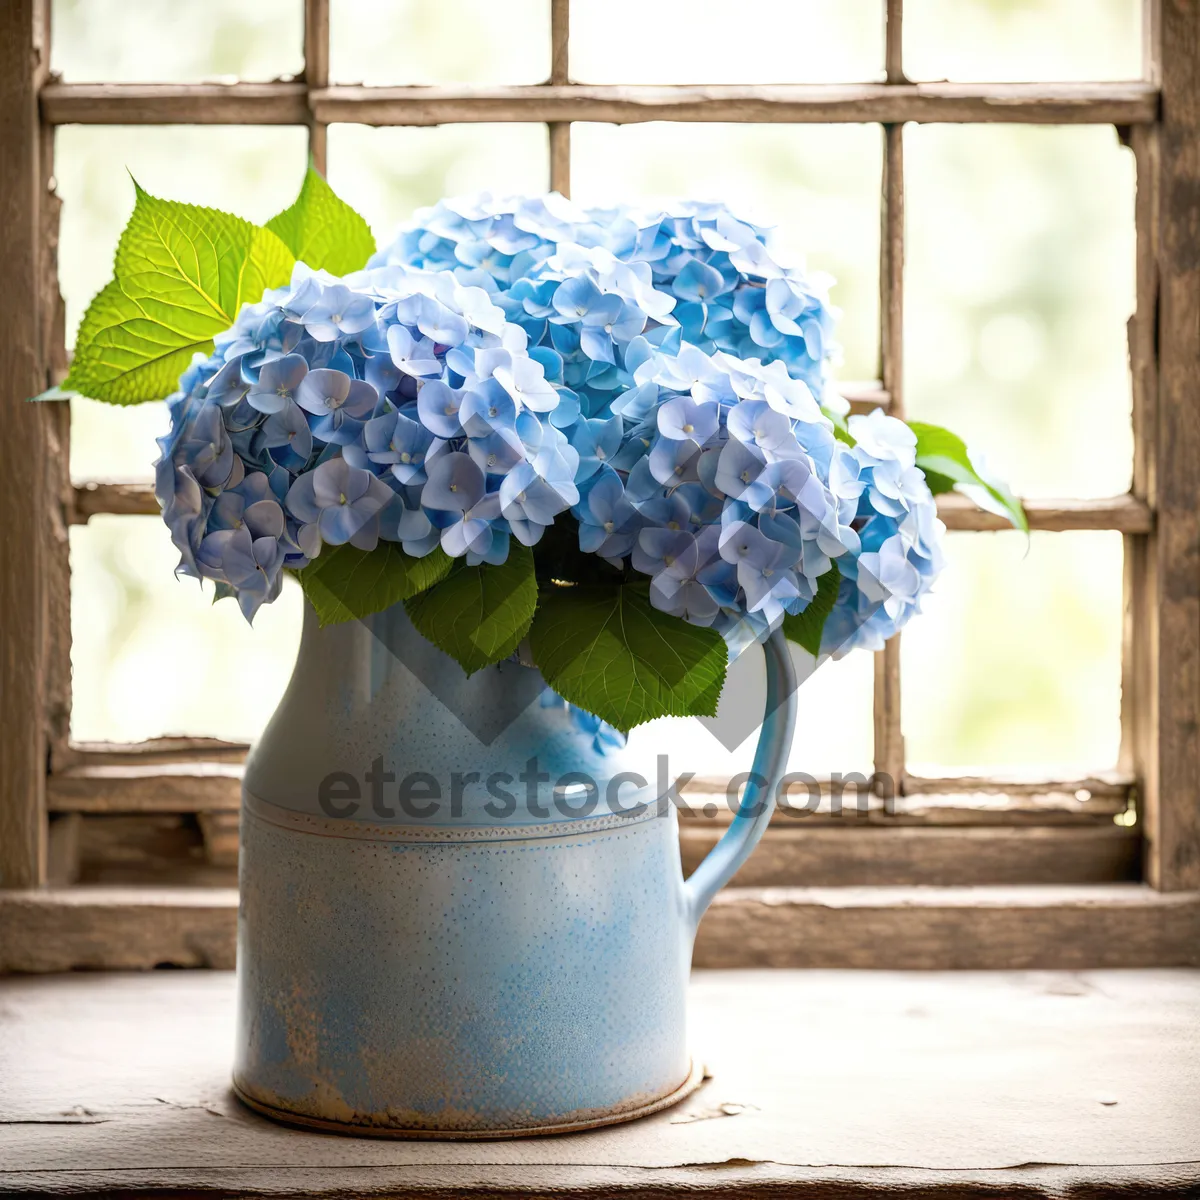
x=610, y=433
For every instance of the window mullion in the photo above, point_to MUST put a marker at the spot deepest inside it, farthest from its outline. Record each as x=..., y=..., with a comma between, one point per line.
x=316, y=74
x=560, y=73
x=34, y=588
x=889, y=740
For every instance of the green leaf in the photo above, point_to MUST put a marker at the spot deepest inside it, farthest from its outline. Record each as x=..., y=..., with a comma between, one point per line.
x=345, y=584
x=805, y=628
x=182, y=274
x=193, y=268
x=322, y=230
x=124, y=357
x=606, y=649
x=478, y=615
x=943, y=457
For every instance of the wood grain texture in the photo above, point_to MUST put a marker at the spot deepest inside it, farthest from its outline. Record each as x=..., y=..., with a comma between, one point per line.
x=62, y=929
x=910, y=856
x=153, y=849
x=886, y=696
x=316, y=73
x=559, y=132
x=901, y=928
x=155, y=750
x=174, y=104
x=1083, y=787
x=97, y=497
x=167, y=787
x=34, y=695
x=969, y=928
x=169, y=849
x=1139, y=628
x=824, y=1084
x=893, y=41
x=1173, y=809
x=1121, y=103
x=288, y=103
x=1128, y=514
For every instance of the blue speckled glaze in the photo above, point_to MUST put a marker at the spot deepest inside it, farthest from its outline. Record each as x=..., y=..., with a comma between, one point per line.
x=462, y=974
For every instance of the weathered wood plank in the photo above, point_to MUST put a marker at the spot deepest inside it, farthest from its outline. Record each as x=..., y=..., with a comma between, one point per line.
x=151, y=849
x=909, y=856
x=96, y=497
x=166, y=787
x=316, y=73
x=1139, y=633
x=285, y=103
x=1128, y=514
x=559, y=132
x=921, y=928
x=202, y=849
x=886, y=697
x=969, y=928
x=174, y=104
x=1173, y=808
x=155, y=750
x=34, y=697
x=893, y=41
x=1129, y=104
x=60, y=929
x=1083, y=787
x=119, y=1085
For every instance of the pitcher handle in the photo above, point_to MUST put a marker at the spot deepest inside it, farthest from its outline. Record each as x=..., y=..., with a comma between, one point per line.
x=758, y=802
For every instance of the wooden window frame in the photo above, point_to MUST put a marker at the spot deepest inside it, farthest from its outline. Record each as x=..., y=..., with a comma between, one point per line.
x=1075, y=834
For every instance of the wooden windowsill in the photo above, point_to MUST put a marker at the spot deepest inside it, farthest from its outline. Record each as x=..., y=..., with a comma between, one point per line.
x=1021, y=927
x=824, y=1083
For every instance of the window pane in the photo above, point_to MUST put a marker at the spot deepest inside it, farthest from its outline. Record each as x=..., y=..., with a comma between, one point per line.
x=818, y=184
x=707, y=41
x=1020, y=282
x=260, y=172
x=1017, y=658
x=152, y=655
x=1022, y=39
x=387, y=173
x=401, y=42
x=145, y=41
x=833, y=724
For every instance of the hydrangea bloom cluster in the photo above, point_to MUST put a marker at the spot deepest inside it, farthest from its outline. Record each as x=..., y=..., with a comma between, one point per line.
x=713, y=273
x=405, y=408
x=502, y=363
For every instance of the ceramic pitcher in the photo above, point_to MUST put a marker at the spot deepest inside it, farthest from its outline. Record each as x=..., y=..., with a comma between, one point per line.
x=462, y=914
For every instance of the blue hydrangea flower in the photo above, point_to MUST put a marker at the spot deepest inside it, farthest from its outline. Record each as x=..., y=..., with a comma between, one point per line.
x=342, y=501
x=656, y=377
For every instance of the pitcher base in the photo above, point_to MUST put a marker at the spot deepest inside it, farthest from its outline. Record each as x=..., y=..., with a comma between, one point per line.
x=369, y=1128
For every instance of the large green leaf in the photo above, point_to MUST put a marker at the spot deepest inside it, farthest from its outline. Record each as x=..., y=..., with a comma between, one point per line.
x=182, y=273
x=478, y=615
x=123, y=356
x=943, y=457
x=605, y=648
x=805, y=628
x=345, y=584
x=322, y=230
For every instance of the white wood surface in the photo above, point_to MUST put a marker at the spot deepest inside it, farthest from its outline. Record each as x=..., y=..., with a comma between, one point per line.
x=823, y=1083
